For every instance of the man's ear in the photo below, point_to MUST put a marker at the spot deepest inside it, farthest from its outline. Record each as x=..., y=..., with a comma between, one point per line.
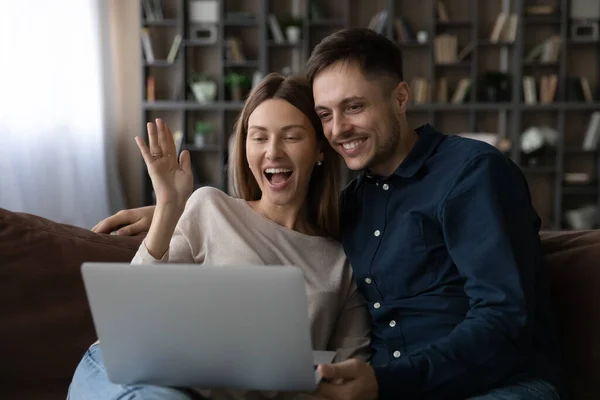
x=402, y=96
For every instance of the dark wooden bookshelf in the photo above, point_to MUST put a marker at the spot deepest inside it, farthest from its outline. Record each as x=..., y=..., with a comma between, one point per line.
x=470, y=20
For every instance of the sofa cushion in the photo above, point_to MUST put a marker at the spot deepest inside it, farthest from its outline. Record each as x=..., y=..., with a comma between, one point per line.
x=45, y=325
x=573, y=259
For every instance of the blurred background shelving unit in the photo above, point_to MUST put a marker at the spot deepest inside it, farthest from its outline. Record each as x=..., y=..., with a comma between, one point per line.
x=522, y=75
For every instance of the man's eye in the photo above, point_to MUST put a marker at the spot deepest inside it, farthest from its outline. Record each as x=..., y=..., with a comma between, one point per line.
x=355, y=107
x=323, y=115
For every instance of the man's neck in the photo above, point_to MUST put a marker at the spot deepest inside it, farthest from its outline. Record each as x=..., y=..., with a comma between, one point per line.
x=407, y=141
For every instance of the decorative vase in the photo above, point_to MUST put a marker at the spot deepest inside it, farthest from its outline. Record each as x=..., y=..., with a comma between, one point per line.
x=199, y=140
x=204, y=91
x=293, y=34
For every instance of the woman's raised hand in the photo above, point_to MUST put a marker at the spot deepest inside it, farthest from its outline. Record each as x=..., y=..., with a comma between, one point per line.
x=172, y=179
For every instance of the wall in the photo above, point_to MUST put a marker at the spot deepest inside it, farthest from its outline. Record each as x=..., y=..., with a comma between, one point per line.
x=124, y=19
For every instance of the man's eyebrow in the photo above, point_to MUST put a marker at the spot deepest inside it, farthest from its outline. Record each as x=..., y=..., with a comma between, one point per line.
x=343, y=102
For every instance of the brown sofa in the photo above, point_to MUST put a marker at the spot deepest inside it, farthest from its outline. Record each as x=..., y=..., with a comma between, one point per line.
x=45, y=325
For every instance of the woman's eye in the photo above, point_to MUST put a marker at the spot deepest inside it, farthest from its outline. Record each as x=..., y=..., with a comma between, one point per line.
x=323, y=115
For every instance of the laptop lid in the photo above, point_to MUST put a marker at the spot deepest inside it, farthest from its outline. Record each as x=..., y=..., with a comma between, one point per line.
x=237, y=327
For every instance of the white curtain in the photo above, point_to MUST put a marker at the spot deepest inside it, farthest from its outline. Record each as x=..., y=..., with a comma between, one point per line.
x=57, y=128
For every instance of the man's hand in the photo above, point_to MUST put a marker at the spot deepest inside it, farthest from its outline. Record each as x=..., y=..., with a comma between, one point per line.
x=128, y=222
x=353, y=380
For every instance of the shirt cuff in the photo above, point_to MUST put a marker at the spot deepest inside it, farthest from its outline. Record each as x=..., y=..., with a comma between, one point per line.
x=143, y=256
x=396, y=379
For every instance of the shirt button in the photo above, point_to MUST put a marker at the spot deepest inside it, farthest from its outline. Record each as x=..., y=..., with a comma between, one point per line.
x=392, y=323
x=377, y=233
x=377, y=305
x=369, y=281
x=386, y=186
x=397, y=354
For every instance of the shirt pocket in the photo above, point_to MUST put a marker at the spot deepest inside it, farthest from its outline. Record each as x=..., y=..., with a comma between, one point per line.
x=402, y=263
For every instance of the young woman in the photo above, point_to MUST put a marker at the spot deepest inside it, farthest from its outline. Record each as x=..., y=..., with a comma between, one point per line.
x=287, y=176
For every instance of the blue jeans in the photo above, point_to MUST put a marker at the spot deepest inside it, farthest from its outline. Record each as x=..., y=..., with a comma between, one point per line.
x=90, y=382
x=532, y=389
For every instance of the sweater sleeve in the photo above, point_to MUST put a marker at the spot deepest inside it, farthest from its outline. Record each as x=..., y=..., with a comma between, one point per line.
x=187, y=245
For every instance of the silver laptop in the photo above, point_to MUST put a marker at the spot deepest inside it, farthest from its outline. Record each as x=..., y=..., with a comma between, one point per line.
x=236, y=327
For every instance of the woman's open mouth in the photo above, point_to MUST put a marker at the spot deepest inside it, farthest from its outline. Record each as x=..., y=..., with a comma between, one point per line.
x=278, y=177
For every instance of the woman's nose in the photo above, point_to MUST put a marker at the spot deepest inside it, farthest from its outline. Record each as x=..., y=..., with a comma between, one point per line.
x=274, y=150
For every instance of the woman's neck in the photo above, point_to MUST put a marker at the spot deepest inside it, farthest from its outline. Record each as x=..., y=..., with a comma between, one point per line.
x=291, y=216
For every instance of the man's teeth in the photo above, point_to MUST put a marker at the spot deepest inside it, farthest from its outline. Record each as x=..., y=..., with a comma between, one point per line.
x=351, y=145
x=277, y=170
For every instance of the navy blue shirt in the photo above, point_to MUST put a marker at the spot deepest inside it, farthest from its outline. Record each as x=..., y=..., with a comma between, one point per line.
x=447, y=254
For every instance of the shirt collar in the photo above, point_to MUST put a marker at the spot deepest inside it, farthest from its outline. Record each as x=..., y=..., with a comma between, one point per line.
x=427, y=141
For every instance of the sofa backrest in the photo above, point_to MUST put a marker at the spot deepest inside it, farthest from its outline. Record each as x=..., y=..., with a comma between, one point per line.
x=573, y=260
x=44, y=317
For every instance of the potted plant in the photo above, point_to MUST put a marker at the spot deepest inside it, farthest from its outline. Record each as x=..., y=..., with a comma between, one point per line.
x=201, y=131
x=204, y=89
x=293, y=29
x=236, y=83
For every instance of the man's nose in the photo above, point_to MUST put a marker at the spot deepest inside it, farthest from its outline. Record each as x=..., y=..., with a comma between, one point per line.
x=339, y=127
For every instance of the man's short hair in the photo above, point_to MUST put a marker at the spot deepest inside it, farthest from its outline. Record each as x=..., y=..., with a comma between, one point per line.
x=375, y=54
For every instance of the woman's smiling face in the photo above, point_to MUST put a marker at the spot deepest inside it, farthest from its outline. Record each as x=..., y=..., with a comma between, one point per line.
x=282, y=150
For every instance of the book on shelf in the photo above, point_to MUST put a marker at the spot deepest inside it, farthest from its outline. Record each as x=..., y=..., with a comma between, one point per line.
x=586, y=90
x=445, y=47
x=540, y=9
x=404, y=32
x=379, y=21
x=442, y=11
x=421, y=89
x=442, y=90
x=465, y=51
x=153, y=10
x=151, y=89
x=147, y=45
x=548, y=86
x=529, y=90
x=546, y=51
x=402, y=29
x=234, y=50
x=505, y=28
x=577, y=178
x=275, y=29
x=174, y=48
x=592, y=134
x=461, y=91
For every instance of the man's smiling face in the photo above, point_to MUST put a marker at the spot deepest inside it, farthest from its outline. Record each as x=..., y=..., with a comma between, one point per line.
x=359, y=115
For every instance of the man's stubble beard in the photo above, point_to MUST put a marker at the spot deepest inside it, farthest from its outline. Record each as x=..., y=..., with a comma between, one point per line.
x=386, y=150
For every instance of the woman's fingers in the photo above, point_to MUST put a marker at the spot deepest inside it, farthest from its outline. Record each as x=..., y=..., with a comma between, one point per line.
x=185, y=161
x=153, y=139
x=163, y=140
x=144, y=150
x=171, y=141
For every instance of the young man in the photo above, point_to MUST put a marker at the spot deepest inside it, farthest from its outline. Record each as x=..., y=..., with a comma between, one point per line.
x=443, y=240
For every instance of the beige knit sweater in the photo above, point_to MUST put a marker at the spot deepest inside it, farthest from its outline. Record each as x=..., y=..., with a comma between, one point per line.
x=218, y=229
